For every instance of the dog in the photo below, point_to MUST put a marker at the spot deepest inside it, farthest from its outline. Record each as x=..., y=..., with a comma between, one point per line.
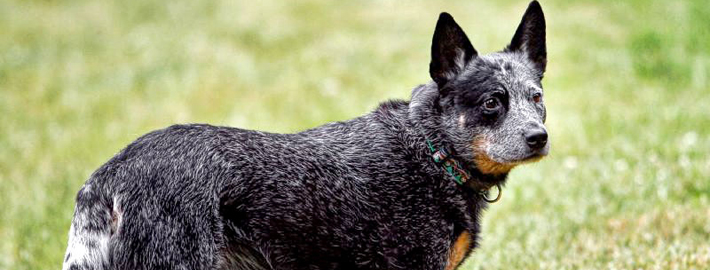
x=402, y=187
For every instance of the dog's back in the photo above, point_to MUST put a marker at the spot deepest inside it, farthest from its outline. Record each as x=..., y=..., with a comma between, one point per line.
x=222, y=193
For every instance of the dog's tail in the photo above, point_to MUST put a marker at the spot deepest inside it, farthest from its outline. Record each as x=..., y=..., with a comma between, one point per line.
x=90, y=231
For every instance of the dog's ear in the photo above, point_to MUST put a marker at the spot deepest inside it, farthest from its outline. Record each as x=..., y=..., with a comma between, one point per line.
x=450, y=50
x=530, y=36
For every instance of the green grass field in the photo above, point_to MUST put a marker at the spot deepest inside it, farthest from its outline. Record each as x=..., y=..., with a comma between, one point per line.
x=626, y=186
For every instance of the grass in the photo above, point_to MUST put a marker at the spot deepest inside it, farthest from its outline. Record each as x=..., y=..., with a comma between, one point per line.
x=626, y=186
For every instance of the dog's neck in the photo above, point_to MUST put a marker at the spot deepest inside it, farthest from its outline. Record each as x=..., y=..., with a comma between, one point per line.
x=424, y=116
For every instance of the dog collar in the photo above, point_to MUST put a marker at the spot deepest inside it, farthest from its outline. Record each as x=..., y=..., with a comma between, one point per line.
x=461, y=176
x=450, y=164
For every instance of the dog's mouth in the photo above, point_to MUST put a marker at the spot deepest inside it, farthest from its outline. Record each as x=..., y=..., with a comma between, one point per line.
x=489, y=165
x=533, y=157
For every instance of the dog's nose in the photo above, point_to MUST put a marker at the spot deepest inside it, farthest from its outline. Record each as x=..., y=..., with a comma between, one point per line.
x=536, y=138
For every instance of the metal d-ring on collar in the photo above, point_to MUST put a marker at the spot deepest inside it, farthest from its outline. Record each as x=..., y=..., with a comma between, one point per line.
x=484, y=194
x=458, y=172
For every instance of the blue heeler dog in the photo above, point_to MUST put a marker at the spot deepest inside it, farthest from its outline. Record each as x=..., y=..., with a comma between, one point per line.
x=402, y=187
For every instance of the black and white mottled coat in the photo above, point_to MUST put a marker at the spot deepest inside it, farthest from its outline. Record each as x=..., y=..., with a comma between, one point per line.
x=358, y=194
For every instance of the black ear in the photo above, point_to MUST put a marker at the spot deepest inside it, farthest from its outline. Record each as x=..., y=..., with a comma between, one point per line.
x=450, y=50
x=530, y=36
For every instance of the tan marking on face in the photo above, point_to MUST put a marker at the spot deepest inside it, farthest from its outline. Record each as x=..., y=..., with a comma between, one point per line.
x=484, y=163
x=459, y=250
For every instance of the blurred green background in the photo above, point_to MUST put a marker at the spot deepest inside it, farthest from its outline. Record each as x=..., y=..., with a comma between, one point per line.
x=626, y=186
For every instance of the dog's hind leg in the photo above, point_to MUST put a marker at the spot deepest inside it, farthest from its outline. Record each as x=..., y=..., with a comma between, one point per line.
x=108, y=233
x=89, y=233
x=178, y=232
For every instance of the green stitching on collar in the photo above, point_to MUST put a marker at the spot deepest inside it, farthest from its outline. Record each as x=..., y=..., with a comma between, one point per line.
x=450, y=164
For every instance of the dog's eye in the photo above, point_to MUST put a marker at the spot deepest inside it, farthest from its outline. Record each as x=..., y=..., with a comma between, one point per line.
x=537, y=97
x=491, y=103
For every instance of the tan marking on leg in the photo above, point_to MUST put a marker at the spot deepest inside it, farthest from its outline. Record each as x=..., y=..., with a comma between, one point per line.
x=459, y=250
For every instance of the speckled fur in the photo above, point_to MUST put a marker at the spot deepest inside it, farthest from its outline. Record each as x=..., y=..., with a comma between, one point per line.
x=358, y=194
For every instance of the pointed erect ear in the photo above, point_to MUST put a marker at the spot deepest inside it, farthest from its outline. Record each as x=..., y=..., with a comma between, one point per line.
x=450, y=50
x=530, y=36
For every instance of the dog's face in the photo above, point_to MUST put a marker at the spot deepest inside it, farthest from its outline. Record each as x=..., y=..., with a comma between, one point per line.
x=493, y=105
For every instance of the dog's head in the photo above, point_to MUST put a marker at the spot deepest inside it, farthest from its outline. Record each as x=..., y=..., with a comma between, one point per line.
x=492, y=106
